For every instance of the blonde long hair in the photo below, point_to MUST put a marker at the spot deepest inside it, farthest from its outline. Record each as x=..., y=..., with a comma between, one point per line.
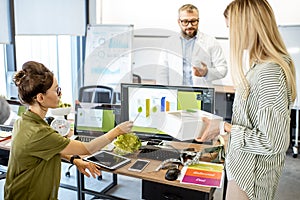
x=253, y=27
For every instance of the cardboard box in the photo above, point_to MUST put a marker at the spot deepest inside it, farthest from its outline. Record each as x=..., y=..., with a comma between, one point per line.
x=187, y=125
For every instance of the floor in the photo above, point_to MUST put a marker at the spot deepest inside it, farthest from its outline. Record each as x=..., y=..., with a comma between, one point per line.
x=130, y=188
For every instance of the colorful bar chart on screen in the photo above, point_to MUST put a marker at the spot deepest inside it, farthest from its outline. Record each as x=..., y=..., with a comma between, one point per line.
x=153, y=104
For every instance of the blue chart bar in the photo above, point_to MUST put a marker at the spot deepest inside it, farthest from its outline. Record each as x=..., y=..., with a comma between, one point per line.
x=163, y=104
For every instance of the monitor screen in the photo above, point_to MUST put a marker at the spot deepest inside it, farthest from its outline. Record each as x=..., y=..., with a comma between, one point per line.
x=16, y=107
x=16, y=110
x=94, y=119
x=146, y=104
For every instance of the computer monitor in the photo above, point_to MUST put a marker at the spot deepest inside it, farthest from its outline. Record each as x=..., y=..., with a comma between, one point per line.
x=146, y=104
x=16, y=111
x=16, y=107
x=95, y=119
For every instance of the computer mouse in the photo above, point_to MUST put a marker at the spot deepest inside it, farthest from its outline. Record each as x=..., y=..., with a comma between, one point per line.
x=172, y=174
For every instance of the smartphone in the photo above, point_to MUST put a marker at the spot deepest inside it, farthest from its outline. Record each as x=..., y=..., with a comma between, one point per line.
x=139, y=165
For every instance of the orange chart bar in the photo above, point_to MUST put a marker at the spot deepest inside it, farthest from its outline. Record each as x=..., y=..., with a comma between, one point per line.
x=167, y=105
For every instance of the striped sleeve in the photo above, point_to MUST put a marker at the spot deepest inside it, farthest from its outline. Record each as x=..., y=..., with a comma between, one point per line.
x=271, y=123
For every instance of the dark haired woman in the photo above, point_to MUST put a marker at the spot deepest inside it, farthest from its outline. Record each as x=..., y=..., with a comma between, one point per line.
x=36, y=150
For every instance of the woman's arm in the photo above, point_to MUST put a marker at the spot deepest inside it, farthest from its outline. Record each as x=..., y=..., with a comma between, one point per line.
x=83, y=148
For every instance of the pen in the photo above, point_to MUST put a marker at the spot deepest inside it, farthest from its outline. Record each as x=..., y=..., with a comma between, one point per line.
x=136, y=116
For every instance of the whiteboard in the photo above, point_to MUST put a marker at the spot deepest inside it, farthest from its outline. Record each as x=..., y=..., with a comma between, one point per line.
x=108, y=55
x=290, y=35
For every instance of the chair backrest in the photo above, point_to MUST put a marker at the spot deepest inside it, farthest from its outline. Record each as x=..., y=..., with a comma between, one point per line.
x=136, y=78
x=96, y=94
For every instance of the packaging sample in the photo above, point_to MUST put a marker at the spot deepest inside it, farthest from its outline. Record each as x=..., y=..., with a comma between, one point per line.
x=187, y=125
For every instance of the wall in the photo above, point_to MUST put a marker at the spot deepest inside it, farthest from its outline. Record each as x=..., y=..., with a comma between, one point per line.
x=291, y=38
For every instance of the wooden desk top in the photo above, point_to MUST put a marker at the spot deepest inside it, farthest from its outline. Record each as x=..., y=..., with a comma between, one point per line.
x=218, y=88
x=150, y=174
x=224, y=89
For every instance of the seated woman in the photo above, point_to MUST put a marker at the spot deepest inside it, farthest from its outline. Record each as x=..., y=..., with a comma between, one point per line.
x=36, y=151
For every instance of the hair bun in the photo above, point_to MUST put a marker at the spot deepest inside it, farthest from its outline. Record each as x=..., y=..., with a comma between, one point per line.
x=19, y=76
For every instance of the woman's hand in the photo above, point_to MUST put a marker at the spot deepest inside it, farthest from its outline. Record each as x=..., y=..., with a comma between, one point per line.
x=82, y=165
x=211, y=130
x=125, y=127
x=122, y=128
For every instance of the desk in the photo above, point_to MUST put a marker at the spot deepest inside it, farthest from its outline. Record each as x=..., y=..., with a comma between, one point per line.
x=150, y=177
x=224, y=89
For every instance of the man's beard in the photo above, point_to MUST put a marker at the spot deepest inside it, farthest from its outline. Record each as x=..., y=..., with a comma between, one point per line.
x=188, y=35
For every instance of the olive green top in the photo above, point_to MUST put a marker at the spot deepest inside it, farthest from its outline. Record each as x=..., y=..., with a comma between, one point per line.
x=34, y=166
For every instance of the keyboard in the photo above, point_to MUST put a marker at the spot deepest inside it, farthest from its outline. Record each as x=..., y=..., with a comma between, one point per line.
x=148, y=136
x=156, y=153
x=6, y=128
x=84, y=138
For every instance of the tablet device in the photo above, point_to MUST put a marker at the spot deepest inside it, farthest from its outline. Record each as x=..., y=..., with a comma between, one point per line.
x=107, y=160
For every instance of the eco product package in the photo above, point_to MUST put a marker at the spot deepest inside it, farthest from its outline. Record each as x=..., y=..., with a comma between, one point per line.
x=187, y=125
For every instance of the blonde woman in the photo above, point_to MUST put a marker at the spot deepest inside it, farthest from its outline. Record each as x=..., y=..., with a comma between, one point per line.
x=264, y=76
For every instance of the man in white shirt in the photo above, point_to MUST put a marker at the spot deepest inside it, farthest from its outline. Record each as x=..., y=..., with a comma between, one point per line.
x=191, y=57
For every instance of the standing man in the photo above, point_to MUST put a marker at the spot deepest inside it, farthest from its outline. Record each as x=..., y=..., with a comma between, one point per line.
x=191, y=57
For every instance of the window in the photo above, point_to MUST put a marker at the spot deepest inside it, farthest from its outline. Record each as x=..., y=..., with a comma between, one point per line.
x=2, y=71
x=56, y=53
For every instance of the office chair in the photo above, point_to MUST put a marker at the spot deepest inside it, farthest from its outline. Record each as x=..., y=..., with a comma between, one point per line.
x=4, y=156
x=94, y=94
x=117, y=96
x=136, y=78
x=3, y=162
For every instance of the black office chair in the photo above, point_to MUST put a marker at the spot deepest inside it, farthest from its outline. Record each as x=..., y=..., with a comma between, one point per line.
x=4, y=155
x=136, y=78
x=96, y=94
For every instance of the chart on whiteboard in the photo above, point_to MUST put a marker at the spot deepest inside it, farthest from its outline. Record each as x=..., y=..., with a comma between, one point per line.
x=108, y=55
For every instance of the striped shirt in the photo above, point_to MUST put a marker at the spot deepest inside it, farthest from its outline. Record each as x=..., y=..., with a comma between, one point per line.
x=260, y=133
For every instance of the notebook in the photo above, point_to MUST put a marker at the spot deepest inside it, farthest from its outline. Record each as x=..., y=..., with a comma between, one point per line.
x=95, y=119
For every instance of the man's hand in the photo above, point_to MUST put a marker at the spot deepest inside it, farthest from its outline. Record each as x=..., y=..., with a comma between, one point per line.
x=83, y=165
x=211, y=130
x=200, y=71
